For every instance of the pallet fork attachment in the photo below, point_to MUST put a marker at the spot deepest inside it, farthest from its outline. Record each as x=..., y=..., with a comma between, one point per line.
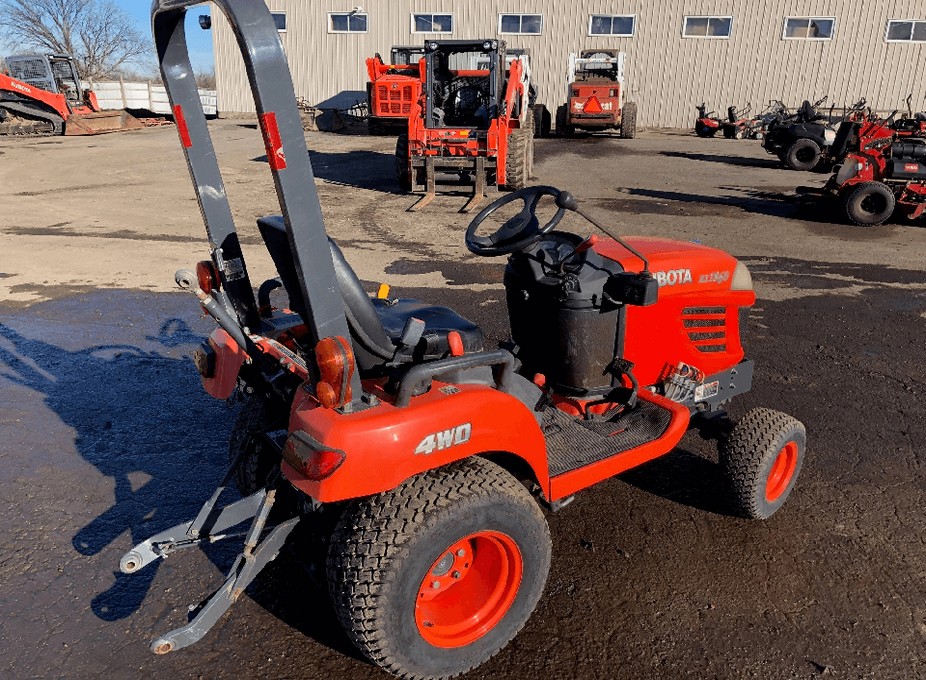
x=477, y=165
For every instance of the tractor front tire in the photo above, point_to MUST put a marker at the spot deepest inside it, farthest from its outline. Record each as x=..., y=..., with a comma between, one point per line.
x=761, y=459
x=629, y=121
x=402, y=171
x=519, y=157
x=803, y=155
x=433, y=578
x=869, y=203
x=256, y=462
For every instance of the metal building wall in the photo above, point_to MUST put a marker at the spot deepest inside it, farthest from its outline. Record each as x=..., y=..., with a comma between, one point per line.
x=667, y=75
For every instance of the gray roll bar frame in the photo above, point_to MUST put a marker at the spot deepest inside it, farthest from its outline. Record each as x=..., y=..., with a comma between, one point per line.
x=287, y=155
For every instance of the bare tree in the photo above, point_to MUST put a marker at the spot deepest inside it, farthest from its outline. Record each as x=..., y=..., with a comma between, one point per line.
x=100, y=36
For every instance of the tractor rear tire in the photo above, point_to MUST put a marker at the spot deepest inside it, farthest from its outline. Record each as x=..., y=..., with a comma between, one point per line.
x=256, y=461
x=802, y=155
x=629, y=121
x=518, y=159
x=402, y=170
x=762, y=459
x=869, y=203
x=406, y=578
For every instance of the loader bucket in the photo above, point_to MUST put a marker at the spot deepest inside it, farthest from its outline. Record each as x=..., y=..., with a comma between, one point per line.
x=100, y=122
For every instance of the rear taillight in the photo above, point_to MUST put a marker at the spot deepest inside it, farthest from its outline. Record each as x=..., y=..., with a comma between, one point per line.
x=208, y=276
x=312, y=459
x=335, y=360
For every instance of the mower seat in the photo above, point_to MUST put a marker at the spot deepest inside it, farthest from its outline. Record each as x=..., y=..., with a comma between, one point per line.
x=376, y=326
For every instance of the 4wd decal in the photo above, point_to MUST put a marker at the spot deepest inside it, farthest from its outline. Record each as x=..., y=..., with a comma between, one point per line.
x=673, y=277
x=445, y=439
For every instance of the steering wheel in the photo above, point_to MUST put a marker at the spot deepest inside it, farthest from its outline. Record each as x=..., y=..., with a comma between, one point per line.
x=520, y=231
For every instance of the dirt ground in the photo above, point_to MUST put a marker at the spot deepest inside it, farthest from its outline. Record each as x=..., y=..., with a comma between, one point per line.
x=107, y=436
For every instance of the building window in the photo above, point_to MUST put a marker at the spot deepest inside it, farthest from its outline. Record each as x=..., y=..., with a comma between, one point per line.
x=905, y=30
x=707, y=27
x=347, y=22
x=432, y=23
x=611, y=24
x=279, y=18
x=809, y=28
x=522, y=24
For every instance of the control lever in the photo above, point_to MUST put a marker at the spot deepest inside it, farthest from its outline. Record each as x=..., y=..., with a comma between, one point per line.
x=567, y=201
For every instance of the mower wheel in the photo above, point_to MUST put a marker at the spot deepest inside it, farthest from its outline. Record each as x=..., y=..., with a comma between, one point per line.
x=518, y=160
x=402, y=172
x=629, y=120
x=803, y=155
x=256, y=462
x=869, y=203
x=762, y=458
x=435, y=577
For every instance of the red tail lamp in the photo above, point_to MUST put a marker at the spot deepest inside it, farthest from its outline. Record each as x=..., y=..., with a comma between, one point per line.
x=310, y=457
x=335, y=360
x=208, y=276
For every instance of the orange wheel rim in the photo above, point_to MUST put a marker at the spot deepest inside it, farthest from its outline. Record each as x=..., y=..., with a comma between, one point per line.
x=779, y=477
x=468, y=589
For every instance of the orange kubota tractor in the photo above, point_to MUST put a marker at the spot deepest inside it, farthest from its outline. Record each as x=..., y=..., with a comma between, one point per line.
x=473, y=118
x=43, y=95
x=393, y=88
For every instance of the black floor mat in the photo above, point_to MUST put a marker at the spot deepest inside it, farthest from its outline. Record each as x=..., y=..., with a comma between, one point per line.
x=573, y=443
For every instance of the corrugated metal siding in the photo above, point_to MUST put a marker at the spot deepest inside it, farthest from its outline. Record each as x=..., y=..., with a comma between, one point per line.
x=667, y=75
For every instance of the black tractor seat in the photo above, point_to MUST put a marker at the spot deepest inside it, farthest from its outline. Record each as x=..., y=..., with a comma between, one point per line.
x=376, y=326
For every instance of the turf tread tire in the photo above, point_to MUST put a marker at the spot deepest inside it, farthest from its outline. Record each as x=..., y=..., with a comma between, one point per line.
x=517, y=161
x=852, y=204
x=255, y=465
x=790, y=156
x=746, y=456
x=377, y=535
x=402, y=172
x=629, y=121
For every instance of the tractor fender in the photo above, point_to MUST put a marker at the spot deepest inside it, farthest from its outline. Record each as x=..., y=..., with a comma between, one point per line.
x=383, y=446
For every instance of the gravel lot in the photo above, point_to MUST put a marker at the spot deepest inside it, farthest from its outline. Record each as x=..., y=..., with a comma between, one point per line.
x=108, y=438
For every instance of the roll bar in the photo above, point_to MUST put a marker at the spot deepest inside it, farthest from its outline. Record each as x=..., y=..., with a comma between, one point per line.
x=287, y=155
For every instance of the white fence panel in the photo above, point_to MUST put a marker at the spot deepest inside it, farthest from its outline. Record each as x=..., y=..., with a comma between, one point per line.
x=124, y=95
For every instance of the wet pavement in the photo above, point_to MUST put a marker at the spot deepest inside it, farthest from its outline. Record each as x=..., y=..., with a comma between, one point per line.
x=108, y=438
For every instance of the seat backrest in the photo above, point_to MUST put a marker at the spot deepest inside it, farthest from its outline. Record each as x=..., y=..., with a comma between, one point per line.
x=372, y=347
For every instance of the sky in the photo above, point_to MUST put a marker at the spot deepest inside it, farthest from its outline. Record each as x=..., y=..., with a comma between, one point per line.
x=199, y=41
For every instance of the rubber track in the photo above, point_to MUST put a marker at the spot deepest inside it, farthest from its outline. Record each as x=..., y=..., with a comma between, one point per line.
x=366, y=546
x=756, y=431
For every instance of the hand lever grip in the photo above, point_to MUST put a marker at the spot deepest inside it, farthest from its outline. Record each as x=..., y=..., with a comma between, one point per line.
x=586, y=244
x=566, y=201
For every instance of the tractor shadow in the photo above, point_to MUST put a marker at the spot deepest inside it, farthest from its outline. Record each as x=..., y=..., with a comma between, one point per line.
x=772, y=203
x=684, y=477
x=141, y=418
x=374, y=170
x=745, y=161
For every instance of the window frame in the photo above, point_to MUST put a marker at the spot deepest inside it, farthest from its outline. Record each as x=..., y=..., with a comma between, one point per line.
x=282, y=13
x=633, y=30
x=784, y=28
x=332, y=30
x=686, y=17
x=519, y=14
x=911, y=41
x=453, y=23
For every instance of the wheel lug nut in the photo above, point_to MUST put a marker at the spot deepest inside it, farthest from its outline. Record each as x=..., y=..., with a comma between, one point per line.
x=461, y=552
x=456, y=574
x=435, y=584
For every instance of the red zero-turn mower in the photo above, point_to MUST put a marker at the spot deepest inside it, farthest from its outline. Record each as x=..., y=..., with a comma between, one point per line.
x=426, y=458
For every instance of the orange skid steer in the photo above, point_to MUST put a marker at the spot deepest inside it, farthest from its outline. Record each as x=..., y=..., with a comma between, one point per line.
x=43, y=95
